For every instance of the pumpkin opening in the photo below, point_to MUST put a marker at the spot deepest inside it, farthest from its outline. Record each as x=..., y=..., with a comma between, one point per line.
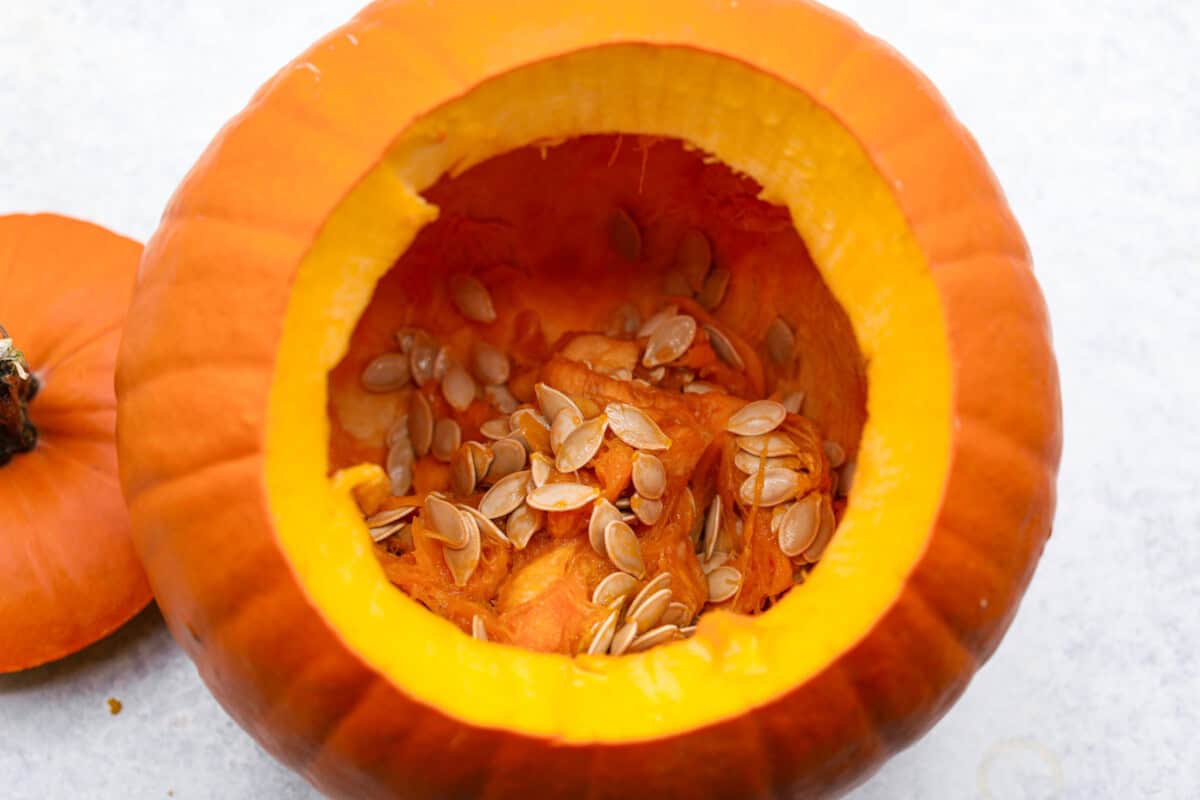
x=561, y=286
x=842, y=210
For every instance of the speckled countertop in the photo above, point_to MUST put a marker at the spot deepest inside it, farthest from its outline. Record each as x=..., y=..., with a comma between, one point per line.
x=1089, y=114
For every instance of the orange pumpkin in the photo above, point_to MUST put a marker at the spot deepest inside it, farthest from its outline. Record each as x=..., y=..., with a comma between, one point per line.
x=307, y=232
x=68, y=571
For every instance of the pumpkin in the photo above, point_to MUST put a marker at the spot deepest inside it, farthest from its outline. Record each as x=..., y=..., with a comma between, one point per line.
x=68, y=571
x=426, y=140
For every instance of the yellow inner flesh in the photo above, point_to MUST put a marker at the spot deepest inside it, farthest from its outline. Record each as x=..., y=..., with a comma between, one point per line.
x=859, y=240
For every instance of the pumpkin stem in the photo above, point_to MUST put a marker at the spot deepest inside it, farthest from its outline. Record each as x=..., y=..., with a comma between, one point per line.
x=18, y=385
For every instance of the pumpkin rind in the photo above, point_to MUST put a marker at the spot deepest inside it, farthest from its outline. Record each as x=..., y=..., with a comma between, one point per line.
x=68, y=571
x=225, y=585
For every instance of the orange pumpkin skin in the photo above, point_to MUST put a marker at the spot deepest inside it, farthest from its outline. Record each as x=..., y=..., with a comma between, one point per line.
x=201, y=516
x=68, y=571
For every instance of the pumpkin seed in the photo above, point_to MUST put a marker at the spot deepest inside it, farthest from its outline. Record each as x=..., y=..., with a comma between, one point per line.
x=693, y=510
x=676, y=614
x=780, y=341
x=799, y=526
x=699, y=387
x=501, y=399
x=621, y=374
x=750, y=463
x=651, y=609
x=582, y=445
x=507, y=493
x=421, y=357
x=563, y=426
x=793, y=402
x=723, y=583
x=447, y=436
x=420, y=423
x=623, y=638
x=649, y=475
x=552, y=401
x=458, y=387
x=533, y=427
x=723, y=347
x=386, y=373
x=508, y=456
x=441, y=362
x=653, y=638
x=445, y=523
x=777, y=514
x=625, y=321
x=623, y=549
x=624, y=236
x=835, y=453
x=603, y=512
x=824, y=534
x=462, y=471
x=656, y=584
x=712, y=527
x=614, y=585
x=648, y=511
x=847, y=479
x=718, y=559
x=401, y=478
x=486, y=526
x=693, y=258
x=633, y=427
x=757, y=418
x=603, y=637
x=494, y=429
x=562, y=496
x=778, y=486
x=541, y=467
x=478, y=629
x=489, y=364
x=481, y=459
x=523, y=523
x=398, y=432
x=472, y=299
x=713, y=291
x=462, y=562
x=656, y=321
x=382, y=533
x=670, y=341
x=391, y=515
x=688, y=631
x=399, y=455
x=774, y=444
x=404, y=339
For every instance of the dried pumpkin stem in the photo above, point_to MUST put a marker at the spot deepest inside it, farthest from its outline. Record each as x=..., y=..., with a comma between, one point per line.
x=18, y=385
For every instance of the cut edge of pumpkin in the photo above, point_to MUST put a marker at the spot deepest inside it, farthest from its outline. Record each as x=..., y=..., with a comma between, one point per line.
x=861, y=243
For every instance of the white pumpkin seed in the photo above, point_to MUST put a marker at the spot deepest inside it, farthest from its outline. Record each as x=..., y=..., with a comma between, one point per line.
x=651, y=325
x=462, y=562
x=507, y=493
x=603, y=637
x=541, y=467
x=508, y=456
x=401, y=454
x=623, y=549
x=401, y=478
x=633, y=427
x=780, y=341
x=447, y=436
x=670, y=341
x=653, y=638
x=699, y=387
x=486, y=526
x=774, y=444
x=563, y=426
x=603, y=512
x=501, y=399
x=687, y=631
x=386, y=373
x=404, y=339
x=649, y=475
x=489, y=364
x=799, y=526
x=481, y=458
x=381, y=533
x=712, y=527
x=582, y=445
x=713, y=291
x=750, y=463
x=757, y=418
x=835, y=453
x=562, y=496
x=458, y=387
x=693, y=258
x=462, y=471
x=623, y=638
x=391, y=515
x=398, y=432
x=778, y=486
x=718, y=559
x=656, y=584
x=478, y=629
x=472, y=299
x=624, y=236
x=497, y=428
x=621, y=374
x=693, y=511
x=613, y=585
x=793, y=402
x=647, y=511
x=420, y=423
x=421, y=357
x=650, y=611
x=724, y=348
x=552, y=402
x=777, y=515
x=441, y=363
x=676, y=614
x=723, y=583
x=444, y=522
x=523, y=523
x=824, y=534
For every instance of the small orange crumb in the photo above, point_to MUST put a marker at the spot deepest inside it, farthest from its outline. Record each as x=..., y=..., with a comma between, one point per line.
x=114, y=706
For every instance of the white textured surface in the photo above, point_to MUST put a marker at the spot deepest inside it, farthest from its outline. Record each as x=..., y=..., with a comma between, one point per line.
x=1089, y=113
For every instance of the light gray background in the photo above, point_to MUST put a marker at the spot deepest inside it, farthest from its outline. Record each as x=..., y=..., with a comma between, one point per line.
x=1090, y=114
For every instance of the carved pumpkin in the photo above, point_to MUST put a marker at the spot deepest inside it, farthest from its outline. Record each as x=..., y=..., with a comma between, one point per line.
x=558, y=158
x=68, y=571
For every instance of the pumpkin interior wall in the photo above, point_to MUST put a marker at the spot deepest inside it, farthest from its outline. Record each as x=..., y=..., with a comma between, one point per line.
x=533, y=225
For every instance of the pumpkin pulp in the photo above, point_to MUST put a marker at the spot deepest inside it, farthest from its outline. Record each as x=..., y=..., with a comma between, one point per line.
x=575, y=246
x=18, y=386
x=860, y=243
